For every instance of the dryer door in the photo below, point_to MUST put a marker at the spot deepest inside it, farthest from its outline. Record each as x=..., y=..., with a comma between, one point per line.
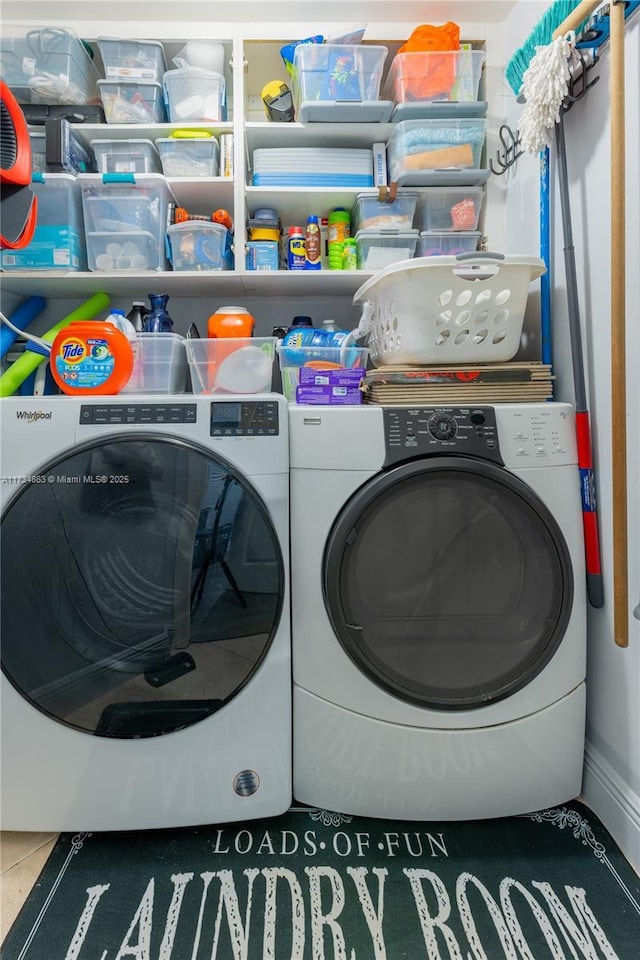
x=128, y=603
x=448, y=582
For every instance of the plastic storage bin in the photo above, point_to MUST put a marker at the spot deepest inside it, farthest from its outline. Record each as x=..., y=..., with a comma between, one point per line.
x=417, y=148
x=47, y=65
x=304, y=383
x=160, y=364
x=192, y=94
x=189, y=157
x=132, y=59
x=132, y=101
x=447, y=309
x=426, y=76
x=378, y=250
x=126, y=156
x=336, y=72
x=433, y=244
x=199, y=245
x=449, y=208
x=231, y=365
x=372, y=214
x=58, y=241
x=125, y=221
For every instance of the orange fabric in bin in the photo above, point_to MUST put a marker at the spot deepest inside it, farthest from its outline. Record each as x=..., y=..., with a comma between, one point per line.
x=441, y=74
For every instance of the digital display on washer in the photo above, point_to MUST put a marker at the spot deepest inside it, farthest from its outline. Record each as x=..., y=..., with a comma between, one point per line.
x=226, y=413
x=244, y=418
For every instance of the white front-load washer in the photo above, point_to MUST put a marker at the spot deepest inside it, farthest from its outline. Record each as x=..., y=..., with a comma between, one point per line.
x=146, y=666
x=438, y=609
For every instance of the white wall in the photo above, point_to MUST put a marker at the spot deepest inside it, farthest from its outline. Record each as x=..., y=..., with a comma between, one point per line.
x=612, y=774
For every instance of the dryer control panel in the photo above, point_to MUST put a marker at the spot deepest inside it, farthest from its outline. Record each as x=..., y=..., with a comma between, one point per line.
x=417, y=431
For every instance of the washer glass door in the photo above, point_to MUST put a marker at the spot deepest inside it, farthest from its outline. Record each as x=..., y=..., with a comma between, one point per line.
x=142, y=585
x=448, y=582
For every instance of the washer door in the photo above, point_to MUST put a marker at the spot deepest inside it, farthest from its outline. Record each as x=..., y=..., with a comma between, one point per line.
x=130, y=601
x=448, y=582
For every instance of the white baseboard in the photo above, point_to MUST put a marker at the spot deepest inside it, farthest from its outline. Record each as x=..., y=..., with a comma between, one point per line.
x=614, y=802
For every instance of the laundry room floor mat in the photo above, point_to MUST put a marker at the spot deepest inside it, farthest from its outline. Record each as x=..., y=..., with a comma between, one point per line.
x=316, y=885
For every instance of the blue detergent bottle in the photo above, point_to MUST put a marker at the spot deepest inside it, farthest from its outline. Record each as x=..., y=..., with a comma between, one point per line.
x=327, y=345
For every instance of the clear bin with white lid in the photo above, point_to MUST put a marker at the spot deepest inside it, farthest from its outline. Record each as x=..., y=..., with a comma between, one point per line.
x=192, y=94
x=160, y=364
x=464, y=309
x=126, y=156
x=378, y=250
x=449, y=75
x=337, y=72
x=132, y=101
x=431, y=243
x=132, y=59
x=125, y=220
x=231, y=365
x=189, y=156
x=371, y=213
x=449, y=208
x=47, y=65
x=199, y=245
x=58, y=240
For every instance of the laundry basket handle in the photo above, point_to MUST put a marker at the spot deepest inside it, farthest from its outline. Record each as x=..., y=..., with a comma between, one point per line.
x=480, y=255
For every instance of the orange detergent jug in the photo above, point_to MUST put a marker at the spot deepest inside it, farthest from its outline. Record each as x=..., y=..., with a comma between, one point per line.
x=226, y=323
x=91, y=357
x=230, y=322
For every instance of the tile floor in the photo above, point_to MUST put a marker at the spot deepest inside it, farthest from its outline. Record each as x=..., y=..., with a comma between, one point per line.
x=22, y=857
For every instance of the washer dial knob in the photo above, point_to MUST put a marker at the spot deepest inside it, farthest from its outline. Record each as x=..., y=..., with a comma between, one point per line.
x=442, y=426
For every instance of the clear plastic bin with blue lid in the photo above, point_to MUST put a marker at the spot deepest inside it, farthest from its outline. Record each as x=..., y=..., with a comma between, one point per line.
x=199, y=245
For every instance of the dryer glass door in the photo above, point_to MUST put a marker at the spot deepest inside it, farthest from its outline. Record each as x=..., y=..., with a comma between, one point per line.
x=142, y=585
x=448, y=582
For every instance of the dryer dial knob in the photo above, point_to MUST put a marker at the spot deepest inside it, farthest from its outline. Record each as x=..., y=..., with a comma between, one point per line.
x=442, y=427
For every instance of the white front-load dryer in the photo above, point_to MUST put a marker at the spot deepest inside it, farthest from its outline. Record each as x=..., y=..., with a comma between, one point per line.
x=438, y=609
x=146, y=667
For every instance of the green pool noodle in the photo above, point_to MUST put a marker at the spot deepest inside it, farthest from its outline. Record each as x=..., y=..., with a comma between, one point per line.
x=28, y=361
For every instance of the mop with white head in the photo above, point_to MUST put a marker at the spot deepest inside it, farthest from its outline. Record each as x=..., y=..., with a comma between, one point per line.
x=545, y=84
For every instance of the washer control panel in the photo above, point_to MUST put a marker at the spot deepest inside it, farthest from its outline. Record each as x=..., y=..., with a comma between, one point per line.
x=416, y=431
x=244, y=418
x=109, y=413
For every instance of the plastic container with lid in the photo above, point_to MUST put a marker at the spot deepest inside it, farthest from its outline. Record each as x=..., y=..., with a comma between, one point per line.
x=434, y=244
x=132, y=101
x=194, y=94
x=419, y=76
x=378, y=250
x=58, y=240
x=372, y=214
x=449, y=208
x=132, y=59
x=199, y=245
x=46, y=65
x=189, y=156
x=126, y=156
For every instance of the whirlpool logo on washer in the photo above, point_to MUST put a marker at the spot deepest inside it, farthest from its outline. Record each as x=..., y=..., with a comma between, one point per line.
x=32, y=416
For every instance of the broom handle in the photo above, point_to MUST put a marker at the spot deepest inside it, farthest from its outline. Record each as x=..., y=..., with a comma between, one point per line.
x=575, y=18
x=618, y=360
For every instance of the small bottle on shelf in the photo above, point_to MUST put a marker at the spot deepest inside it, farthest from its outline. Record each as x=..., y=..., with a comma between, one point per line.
x=312, y=244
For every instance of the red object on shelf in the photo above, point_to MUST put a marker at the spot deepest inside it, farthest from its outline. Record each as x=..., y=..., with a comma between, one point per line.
x=18, y=204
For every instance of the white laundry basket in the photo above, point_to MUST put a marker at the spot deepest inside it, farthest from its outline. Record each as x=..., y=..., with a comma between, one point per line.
x=451, y=309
